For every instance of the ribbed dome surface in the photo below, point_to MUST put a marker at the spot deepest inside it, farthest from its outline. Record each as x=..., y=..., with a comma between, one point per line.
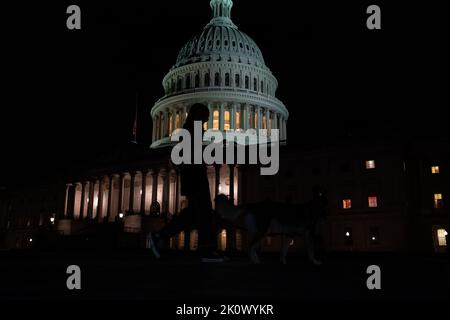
x=221, y=40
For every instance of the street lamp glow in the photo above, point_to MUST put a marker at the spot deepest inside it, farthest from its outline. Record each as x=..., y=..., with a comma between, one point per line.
x=121, y=215
x=347, y=234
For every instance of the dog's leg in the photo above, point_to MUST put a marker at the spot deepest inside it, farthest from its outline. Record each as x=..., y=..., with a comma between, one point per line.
x=310, y=248
x=286, y=241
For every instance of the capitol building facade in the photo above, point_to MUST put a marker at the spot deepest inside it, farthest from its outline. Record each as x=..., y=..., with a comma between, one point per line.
x=383, y=195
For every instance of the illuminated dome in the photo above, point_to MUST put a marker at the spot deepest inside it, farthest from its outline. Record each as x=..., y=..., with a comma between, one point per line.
x=221, y=41
x=224, y=69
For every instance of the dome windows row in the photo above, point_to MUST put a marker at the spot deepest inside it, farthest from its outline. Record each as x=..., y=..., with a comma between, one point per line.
x=189, y=82
x=223, y=117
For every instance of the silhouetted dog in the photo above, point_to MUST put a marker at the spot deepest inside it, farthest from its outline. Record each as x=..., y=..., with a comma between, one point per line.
x=277, y=218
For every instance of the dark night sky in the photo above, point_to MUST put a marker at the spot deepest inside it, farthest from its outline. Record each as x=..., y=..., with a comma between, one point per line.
x=70, y=95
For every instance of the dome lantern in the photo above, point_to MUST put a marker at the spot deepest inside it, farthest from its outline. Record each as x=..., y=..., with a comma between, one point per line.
x=221, y=8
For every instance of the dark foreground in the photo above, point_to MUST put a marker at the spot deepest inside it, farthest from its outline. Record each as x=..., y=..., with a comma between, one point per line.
x=176, y=279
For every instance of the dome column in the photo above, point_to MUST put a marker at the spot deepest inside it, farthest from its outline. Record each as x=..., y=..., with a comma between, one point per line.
x=245, y=117
x=268, y=122
x=234, y=117
x=260, y=120
x=211, y=116
x=222, y=117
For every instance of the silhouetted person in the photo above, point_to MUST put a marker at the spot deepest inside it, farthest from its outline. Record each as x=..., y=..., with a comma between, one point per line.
x=195, y=187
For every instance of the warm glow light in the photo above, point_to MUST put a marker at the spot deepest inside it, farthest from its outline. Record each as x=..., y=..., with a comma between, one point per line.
x=435, y=170
x=373, y=202
x=121, y=215
x=52, y=220
x=373, y=238
x=441, y=235
x=31, y=240
x=347, y=234
x=438, y=200
x=216, y=120
x=370, y=164
x=227, y=125
x=141, y=192
x=220, y=188
x=347, y=204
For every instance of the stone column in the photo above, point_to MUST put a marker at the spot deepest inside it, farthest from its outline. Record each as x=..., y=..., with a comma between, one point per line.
x=260, y=119
x=268, y=122
x=166, y=191
x=162, y=128
x=83, y=200
x=100, y=200
x=71, y=201
x=155, y=187
x=174, y=121
x=244, y=124
x=211, y=116
x=110, y=198
x=233, y=119
x=132, y=181
x=231, y=168
x=91, y=199
x=120, y=206
x=284, y=129
x=144, y=190
x=66, y=202
x=222, y=117
x=154, y=129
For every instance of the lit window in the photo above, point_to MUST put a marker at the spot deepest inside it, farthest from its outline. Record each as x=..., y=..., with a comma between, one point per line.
x=264, y=120
x=170, y=124
x=370, y=164
x=256, y=120
x=205, y=126
x=435, y=170
x=347, y=204
x=177, y=121
x=238, y=120
x=181, y=241
x=193, y=241
x=222, y=241
x=438, y=201
x=227, y=125
x=373, y=202
x=441, y=236
x=216, y=120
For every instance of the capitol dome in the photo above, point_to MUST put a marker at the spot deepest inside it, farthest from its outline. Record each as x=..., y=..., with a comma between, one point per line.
x=223, y=68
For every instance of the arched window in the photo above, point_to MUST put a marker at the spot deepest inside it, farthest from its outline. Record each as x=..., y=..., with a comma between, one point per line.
x=197, y=80
x=227, y=80
x=238, y=81
x=247, y=82
x=255, y=84
x=169, y=126
x=207, y=80
x=217, y=79
x=177, y=121
x=227, y=122
x=216, y=120
x=188, y=81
